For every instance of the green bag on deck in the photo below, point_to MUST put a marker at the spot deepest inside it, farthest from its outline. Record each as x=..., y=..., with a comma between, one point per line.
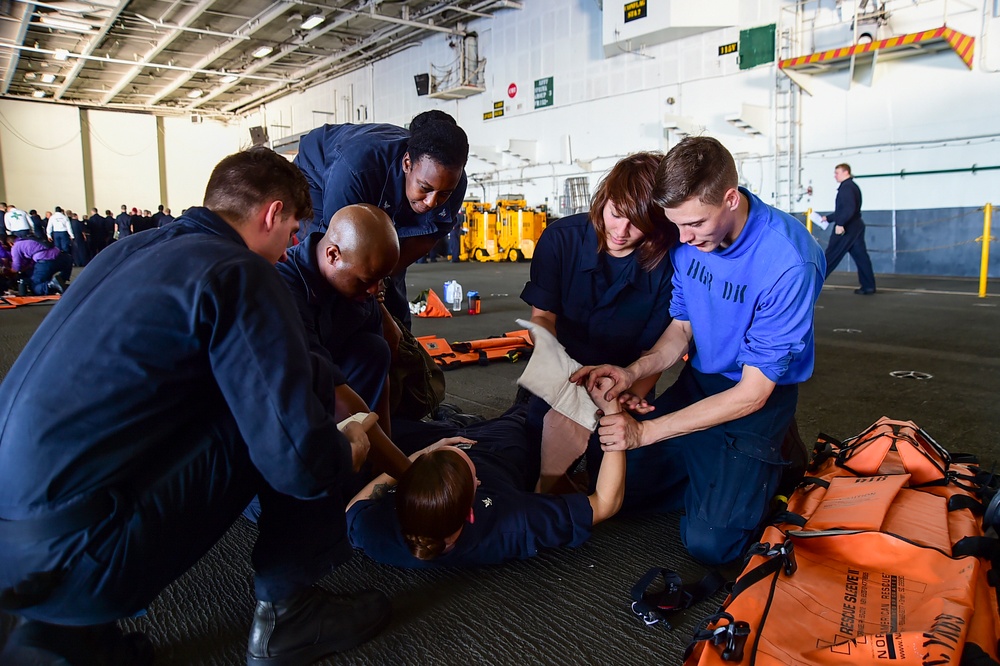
x=416, y=383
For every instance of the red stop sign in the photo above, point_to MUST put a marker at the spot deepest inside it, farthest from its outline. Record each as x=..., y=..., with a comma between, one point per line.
x=512, y=90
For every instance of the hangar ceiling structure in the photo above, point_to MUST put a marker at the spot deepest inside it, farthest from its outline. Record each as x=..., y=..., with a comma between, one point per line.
x=210, y=57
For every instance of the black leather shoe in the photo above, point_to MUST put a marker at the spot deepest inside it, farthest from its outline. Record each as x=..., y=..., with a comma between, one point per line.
x=313, y=624
x=36, y=643
x=864, y=292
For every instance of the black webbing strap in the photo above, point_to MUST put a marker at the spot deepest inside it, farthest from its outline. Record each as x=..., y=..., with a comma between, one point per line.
x=826, y=448
x=984, y=547
x=957, y=502
x=788, y=518
x=675, y=595
x=785, y=562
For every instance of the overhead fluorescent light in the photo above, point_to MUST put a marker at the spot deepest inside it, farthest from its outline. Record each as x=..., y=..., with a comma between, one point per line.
x=196, y=93
x=228, y=78
x=61, y=54
x=38, y=93
x=48, y=78
x=263, y=52
x=313, y=21
x=65, y=24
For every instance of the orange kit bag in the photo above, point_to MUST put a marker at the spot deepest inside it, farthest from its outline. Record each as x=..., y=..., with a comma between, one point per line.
x=880, y=558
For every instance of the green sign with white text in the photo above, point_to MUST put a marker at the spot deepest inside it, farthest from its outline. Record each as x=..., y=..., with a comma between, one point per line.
x=543, y=92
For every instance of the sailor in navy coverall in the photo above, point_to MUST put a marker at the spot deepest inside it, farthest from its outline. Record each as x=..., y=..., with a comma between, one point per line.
x=848, y=235
x=346, y=331
x=417, y=177
x=193, y=392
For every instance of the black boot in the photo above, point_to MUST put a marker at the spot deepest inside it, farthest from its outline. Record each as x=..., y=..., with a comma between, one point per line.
x=314, y=624
x=36, y=643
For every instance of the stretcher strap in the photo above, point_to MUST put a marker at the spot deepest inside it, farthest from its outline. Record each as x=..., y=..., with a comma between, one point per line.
x=780, y=557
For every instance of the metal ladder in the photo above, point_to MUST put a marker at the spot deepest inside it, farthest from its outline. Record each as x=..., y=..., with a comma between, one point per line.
x=786, y=129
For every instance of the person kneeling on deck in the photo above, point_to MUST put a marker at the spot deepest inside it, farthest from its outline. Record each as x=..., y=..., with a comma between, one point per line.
x=195, y=391
x=336, y=282
x=468, y=506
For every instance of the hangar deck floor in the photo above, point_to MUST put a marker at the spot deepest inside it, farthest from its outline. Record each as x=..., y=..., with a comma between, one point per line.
x=572, y=606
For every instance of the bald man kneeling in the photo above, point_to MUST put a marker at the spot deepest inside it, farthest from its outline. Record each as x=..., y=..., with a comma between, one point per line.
x=335, y=279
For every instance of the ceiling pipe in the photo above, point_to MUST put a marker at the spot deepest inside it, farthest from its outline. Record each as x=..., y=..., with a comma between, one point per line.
x=372, y=14
x=92, y=45
x=22, y=30
x=189, y=17
x=347, y=68
x=250, y=27
x=160, y=111
x=248, y=104
x=264, y=62
x=201, y=31
x=118, y=61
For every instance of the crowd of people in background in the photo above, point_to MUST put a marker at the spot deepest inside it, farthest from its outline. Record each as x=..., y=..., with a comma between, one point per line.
x=62, y=232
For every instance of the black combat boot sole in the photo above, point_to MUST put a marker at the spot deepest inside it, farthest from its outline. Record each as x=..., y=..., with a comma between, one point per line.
x=311, y=653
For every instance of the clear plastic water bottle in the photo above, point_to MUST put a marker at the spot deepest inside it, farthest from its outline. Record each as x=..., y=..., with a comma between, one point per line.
x=453, y=294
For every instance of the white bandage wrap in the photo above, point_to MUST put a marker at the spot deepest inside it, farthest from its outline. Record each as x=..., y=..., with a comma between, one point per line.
x=547, y=376
x=353, y=418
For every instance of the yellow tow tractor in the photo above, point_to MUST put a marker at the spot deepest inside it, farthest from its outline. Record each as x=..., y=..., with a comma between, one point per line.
x=506, y=232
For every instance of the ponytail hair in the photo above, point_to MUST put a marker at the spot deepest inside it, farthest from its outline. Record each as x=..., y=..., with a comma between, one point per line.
x=436, y=135
x=433, y=500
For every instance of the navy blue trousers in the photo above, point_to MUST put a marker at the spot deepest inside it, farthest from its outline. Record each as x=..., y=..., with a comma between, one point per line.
x=164, y=519
x=851, y=241
x=44, y=271
x=62, y=241
x=723, y=477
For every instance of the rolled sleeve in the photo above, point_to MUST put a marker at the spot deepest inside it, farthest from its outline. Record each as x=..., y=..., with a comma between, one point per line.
x=782, y=326
x=543, y=289
x=678, y=307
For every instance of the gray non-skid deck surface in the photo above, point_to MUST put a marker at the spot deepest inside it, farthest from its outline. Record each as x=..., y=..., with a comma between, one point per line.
x=571, y=606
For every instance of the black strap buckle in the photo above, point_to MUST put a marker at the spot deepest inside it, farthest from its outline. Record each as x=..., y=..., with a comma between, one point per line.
x=787, y=552
x=732, y=636
x=675, y=595
x=733, y=639
x=652, y=606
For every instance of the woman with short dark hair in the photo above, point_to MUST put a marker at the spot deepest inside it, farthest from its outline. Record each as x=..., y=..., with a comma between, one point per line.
x=601, y=283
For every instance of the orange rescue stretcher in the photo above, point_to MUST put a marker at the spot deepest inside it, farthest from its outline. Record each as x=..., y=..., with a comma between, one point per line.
x=511, y=346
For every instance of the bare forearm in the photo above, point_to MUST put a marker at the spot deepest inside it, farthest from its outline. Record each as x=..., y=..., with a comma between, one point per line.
x=609, y=490
x=669, y=349
x=384, y=454
x=545, y=319
x=748, y=396
x=642, y=387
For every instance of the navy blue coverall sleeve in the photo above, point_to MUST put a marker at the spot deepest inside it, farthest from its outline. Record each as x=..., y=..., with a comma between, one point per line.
x=848, y=207
x=259, y=366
